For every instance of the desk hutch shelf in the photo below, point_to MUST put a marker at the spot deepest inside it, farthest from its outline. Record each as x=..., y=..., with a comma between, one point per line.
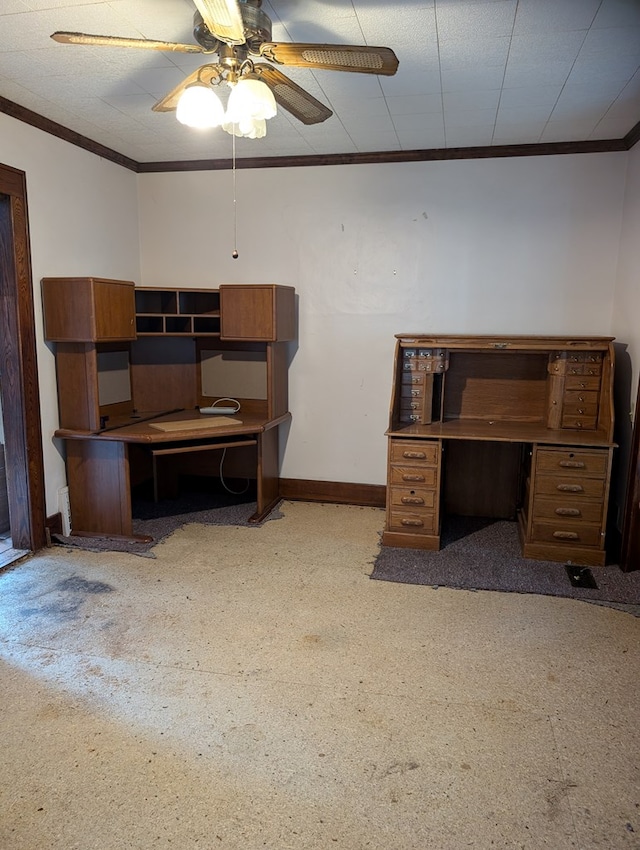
x=504, y=427
x=177, y=311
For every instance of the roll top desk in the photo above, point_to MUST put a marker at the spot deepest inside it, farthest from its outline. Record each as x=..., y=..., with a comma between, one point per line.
x=508, y=427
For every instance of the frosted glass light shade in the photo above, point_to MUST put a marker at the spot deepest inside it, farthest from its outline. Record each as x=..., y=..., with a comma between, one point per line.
x=249, y=128
x=250, y=98
x=199, y=106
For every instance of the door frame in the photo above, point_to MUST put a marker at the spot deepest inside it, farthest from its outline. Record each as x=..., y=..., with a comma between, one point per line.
x=630, y=549
x=19, y=385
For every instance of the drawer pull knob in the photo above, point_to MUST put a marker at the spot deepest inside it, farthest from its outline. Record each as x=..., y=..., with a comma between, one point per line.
x=418, y=478
x=415, y=455
x=565, y=535
x=412, y=500
x=414, y=522
x=572, y=464
x=570, y=488
x=568, y=512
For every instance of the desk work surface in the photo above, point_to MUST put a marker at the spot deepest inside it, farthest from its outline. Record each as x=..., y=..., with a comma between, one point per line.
x=501, y=431
x=149, y=427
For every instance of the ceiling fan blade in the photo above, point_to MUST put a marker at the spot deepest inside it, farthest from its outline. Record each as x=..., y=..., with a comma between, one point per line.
x=116, y=41
x=203, y=75
x=223, y=19
x=291, y=97
x=333, y=57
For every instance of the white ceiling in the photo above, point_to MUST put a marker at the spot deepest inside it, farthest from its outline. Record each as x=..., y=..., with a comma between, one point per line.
x=472, y=73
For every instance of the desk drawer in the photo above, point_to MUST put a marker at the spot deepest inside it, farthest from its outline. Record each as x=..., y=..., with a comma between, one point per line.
x=566, y=511
x=575, y=487
x=413, y=476
x=582, y=382
x=412, y=522
x=567, y=534
x=415, y=379
x=580, y=408
x=576, y=364
x=572, y=462
x=583, y=369
x=415, y=452
x=578, y=423
x=411, y=405
x=413, y=498
x=411, y=391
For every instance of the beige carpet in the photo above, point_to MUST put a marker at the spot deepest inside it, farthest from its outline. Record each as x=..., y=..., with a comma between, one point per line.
x=253, y=688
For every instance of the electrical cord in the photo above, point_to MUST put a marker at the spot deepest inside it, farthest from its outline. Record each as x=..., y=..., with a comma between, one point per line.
x=224, y=483
x=216, y=407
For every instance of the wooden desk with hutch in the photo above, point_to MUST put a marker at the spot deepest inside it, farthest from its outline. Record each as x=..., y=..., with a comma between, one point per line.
x=133, y=361
x=503, y=427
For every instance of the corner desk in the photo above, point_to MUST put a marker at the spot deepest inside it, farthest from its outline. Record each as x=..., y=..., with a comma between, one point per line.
x=99, y=464
x=506, y=427
x=134, y=365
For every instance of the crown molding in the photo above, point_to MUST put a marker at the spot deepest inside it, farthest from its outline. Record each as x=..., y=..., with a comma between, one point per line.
x=549, y=149
x=633, y=136
x=14, y=110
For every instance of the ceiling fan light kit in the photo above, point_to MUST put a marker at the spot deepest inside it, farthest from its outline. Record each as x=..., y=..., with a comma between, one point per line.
x=250, y=104
x=236, y=29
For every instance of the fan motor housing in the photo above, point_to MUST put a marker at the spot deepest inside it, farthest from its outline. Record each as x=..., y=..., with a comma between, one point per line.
x=257, y=29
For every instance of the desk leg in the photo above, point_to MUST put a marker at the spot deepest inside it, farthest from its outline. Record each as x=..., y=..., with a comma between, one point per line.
x=267, y=474
x=99, y=491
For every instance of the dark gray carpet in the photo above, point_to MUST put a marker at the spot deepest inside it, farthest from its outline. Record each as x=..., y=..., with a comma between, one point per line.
x=480, y=554
x=160, y=519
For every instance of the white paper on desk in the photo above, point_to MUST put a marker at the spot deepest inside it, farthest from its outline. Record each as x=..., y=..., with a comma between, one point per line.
x=201, y=424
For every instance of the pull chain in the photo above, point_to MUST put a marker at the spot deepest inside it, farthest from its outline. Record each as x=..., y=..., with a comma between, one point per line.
x=234, y=254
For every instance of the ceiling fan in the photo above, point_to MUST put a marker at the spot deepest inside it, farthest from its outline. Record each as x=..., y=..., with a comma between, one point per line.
x=237, y=31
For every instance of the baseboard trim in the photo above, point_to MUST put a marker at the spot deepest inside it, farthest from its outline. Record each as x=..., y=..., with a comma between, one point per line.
x=53, y=523
x=336, y=492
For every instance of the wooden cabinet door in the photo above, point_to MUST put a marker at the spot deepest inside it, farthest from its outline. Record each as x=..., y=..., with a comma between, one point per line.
x=88, y=309
x=259, y=312
x=114, y=306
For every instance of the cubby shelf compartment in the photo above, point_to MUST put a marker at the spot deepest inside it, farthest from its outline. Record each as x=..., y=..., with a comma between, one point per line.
x=177, y=312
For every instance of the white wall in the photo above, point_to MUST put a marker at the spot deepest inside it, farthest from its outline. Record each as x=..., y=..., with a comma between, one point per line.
x=83, y=220
x=527, y=245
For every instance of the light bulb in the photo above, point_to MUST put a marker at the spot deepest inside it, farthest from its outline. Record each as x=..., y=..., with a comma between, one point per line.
x=200, y=107
x=250, y=98
x=249, y=128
